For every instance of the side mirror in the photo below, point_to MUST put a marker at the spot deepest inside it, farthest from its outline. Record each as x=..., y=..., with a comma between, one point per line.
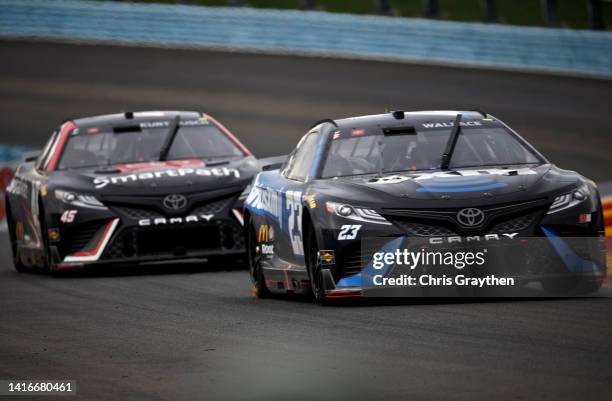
x=274, y=166
x=272, y=163
x=32, y=156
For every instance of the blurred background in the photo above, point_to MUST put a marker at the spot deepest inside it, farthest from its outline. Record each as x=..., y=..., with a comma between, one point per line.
x=577, y=14
x=269, y=68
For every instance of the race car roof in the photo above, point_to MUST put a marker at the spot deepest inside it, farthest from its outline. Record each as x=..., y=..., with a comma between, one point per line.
x=410, y=118
x=133, y=118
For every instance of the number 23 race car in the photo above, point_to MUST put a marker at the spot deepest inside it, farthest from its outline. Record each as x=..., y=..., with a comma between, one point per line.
x=446, y=179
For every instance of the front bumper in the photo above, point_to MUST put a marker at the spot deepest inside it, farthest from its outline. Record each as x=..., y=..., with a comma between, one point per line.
x=130, y=235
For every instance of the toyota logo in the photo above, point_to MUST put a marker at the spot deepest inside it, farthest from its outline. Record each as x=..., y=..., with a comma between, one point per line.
x=175, y=202
x=470, y=217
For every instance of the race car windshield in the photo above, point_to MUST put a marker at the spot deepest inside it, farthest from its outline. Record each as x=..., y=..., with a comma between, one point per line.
x=422, y=150
x=92, y=148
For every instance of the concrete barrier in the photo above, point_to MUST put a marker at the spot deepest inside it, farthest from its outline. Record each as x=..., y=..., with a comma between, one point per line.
x=313, y=32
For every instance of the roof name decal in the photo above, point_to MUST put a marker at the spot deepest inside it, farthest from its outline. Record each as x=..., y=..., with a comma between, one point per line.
x=452, y=124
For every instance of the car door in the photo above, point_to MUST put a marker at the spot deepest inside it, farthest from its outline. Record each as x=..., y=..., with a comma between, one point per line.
x=24, y=193
x=289, y=189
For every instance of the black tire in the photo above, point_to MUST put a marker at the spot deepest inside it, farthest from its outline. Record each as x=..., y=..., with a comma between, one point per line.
x=20, y=267
x=46, y=266
x=258, y=282
x=314, y=267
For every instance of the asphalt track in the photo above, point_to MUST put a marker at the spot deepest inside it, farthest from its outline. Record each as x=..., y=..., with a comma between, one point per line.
x=190, y=332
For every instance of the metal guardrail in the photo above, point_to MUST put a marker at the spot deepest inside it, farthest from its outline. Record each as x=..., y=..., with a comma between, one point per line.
x=374, y=37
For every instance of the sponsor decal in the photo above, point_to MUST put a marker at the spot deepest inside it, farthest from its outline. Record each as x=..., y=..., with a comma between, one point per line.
x=102, y=181
x=265, y=200
x=311, y=201
x=358, y=132
x=466, y=180
x=471, y=173
x=584, y=218
x=161, y=221
x=19, y=230
x=326, y=257
x=284, y=208
x=53, y=234
x=392, y=179
x=336, y=135
x=266, y=233
x=267, y=249
x=474, y=238
x=348, y=232
x=93, y=130
x=140, y=167
x=43, y=190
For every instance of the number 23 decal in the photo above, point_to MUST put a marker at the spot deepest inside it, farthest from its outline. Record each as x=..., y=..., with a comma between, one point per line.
x=348, y=231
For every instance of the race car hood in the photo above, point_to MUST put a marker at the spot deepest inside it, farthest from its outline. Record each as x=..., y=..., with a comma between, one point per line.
x=484, y=185
x=183, y=176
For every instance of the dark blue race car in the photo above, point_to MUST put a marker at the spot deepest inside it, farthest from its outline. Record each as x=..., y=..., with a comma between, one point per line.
x=440, y=177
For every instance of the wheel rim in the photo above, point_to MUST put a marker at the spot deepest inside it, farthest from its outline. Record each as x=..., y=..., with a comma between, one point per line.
x=12, y=237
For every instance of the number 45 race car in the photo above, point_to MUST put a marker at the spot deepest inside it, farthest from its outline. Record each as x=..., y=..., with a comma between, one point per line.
x=443, y=178
x=130, y=188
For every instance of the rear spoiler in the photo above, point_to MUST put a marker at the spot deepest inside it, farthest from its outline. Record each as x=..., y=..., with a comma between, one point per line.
x=272, y=163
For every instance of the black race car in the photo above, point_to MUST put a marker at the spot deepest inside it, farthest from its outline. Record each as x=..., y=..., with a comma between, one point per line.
x=434, y=177
x=130, y=188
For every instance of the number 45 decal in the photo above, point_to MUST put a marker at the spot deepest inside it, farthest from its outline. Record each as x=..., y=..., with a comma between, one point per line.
x=68, y=216
x=348, y=231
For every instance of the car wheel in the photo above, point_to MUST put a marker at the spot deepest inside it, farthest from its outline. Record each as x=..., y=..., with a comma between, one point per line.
x=20, y=267
x=46, y=260
x=313, y=265
x=258, y=282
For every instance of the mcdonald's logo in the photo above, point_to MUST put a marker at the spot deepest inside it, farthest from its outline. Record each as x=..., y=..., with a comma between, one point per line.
x=266, y=233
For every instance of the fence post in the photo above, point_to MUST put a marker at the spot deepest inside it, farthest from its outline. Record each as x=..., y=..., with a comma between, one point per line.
x=383, y=7
x=489, y=11
x=308, y=4
x=549, y=10
x=596, y=20
x=431, y=8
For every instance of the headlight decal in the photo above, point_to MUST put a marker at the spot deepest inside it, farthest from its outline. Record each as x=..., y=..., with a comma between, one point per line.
x=82, y=200
x=355, y=213
x=570, y=199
